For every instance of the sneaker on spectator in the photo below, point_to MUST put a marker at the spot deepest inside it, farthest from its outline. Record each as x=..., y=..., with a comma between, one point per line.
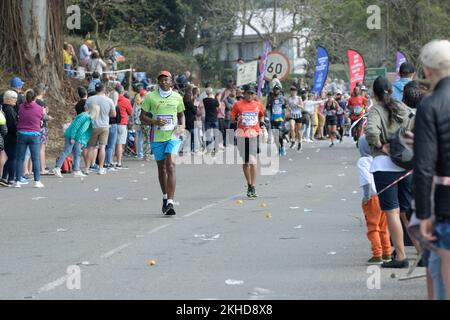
x=57, y=172
x=79, y=174
x=17, y=185
x=38, y=184
x=4, y=183
x=23, y=181
x=102, y=171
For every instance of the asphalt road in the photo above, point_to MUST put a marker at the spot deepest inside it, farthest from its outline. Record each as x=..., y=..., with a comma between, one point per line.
x=110, y=227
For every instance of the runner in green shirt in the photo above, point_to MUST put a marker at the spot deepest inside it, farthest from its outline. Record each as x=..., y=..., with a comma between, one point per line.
x=163, y=109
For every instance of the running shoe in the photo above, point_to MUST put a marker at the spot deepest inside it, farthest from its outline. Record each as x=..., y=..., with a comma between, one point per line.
x=4, y=183
x=164, y=207
x=292, y=145
x=17, y=185
x=170, y=211
x=249, y=192
x=102, y=171
x=332, y=145
x=299, y=147
x=387, y=258
x=254, y=195
x=282, y=152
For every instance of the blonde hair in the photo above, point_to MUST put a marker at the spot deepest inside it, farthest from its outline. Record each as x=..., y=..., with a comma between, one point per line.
x=436, y=56
x=94, y=111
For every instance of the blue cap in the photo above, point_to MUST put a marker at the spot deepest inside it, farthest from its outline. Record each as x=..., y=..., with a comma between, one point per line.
x=16, y=82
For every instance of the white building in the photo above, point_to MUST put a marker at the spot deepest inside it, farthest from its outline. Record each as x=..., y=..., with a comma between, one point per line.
x=253, y=45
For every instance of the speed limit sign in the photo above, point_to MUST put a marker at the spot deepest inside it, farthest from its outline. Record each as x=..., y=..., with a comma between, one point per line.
x=277, y=63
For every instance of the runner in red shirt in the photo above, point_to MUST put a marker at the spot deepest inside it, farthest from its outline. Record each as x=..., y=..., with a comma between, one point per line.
x=356, y=106
x=249, y=115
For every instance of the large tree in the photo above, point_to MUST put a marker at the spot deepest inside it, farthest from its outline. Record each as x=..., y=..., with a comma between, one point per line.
x=31, y=39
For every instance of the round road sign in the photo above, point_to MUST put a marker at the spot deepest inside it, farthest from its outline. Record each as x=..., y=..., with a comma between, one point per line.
x=277, y=63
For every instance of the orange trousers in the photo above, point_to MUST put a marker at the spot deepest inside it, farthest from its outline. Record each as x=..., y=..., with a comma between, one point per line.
x=377, y=233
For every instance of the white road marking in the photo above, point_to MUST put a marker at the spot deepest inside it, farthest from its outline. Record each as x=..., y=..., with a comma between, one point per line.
x=159, y=228
x=211, y=205
x=53, y=285
x=114, y=251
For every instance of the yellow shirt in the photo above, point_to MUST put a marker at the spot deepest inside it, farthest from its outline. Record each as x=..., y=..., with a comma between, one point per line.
x=67, y=57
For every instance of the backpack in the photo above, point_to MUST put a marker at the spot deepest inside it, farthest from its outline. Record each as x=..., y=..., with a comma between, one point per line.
x=67, y=165
x=401, y=153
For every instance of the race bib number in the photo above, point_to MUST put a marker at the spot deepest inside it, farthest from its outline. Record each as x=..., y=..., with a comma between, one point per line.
x=170, y=125
x=357, y=110
x=249, y=119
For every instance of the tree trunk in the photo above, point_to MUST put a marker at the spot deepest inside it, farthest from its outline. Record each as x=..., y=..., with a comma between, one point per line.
x=32, y=37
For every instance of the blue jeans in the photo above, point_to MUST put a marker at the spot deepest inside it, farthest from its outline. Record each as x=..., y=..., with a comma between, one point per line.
x=209, y=129
x=68, y=149
x=34, y=143
x=434, y=268
x=111, y=147
x=69, y=71
x=139, y=140
x=9, y=170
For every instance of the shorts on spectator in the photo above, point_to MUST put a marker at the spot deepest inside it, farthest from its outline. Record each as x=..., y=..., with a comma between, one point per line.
x=122, y=134
x=99, y=137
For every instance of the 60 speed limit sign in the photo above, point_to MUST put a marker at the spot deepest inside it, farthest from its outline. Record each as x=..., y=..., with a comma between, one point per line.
x=277, y=63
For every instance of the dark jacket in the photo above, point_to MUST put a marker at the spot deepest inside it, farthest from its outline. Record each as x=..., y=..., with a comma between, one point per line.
x=189, y=113
x=11, y=122
x=432, y=152
x=3, y=133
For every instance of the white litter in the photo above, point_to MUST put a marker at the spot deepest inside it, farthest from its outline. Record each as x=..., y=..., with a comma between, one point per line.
x=176, y=203
x=299, y=227
x=329, y=186
x=309, y=185
x=308, y=158
x=291, y=160
x=38, y=198
x=355, y=192
x=343, y=199
x=307, y=210
x=96, y=190
x=85, y=263
x=232, y=282
x=62, y=230
x=341, y=175
x=142, y=165
x=119, y=198
x=332, y=253
x=145, y=199
x=294, y=208
x=284, y=171
x=262, y=291
x=204, y=237
x=134, y=181
x=318, y=150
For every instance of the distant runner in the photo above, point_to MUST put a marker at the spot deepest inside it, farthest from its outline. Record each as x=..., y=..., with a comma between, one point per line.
x=249, y=115
x=163, y=109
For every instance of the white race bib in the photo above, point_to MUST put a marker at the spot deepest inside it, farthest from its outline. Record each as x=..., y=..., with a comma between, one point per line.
x=170, y=125
x=249, y=119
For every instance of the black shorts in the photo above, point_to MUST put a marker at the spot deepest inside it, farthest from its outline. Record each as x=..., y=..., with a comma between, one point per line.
x=399, y=195
x=248, y=147
x=299, y=120
x=331, y=121
x=306, y=118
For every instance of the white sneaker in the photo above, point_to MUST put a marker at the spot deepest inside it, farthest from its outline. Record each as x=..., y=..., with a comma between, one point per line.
x=86, y=171
x=17, y=185
x=79, y=174
x=38, y=184
x=102, y=171
x=57, y=172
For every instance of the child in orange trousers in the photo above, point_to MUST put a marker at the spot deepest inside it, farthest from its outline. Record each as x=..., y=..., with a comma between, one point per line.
x=376, y=220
